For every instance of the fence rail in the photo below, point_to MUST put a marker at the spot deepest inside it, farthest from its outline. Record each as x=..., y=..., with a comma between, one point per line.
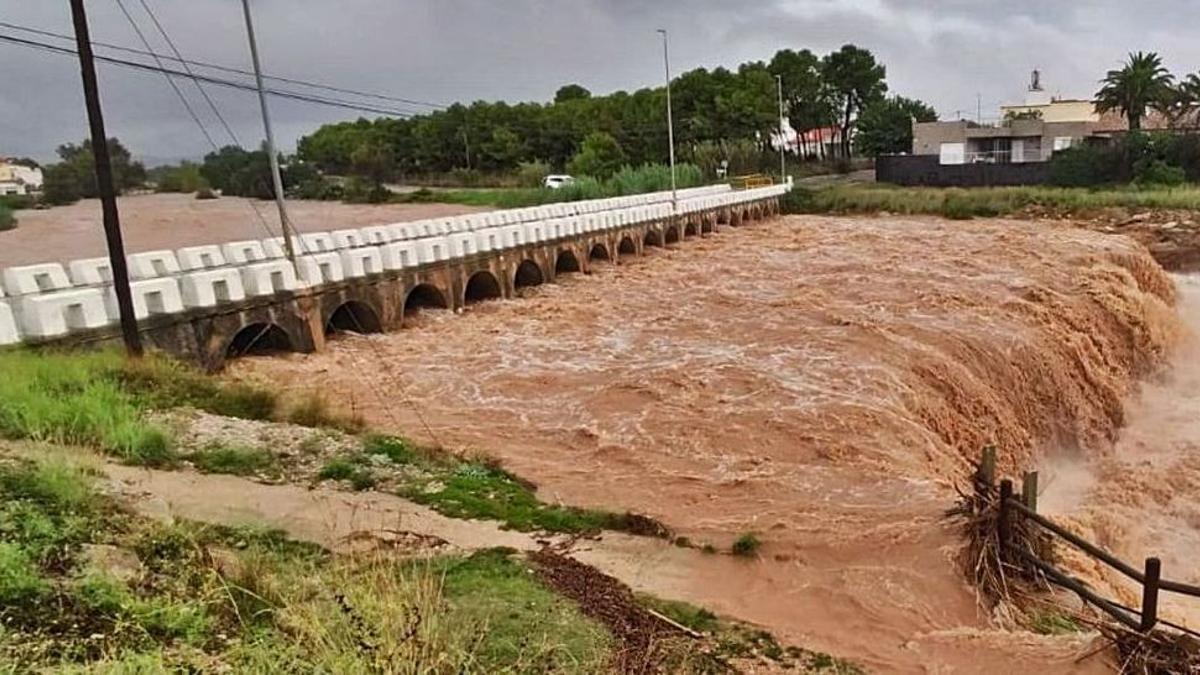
x=1024, y=506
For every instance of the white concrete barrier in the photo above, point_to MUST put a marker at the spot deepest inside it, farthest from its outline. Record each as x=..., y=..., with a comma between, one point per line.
x=361, y=262
x=200, y=257
x=343, y=239
x=60, y=312
x=431, y=249
x=150, y=297
x=91, y=271
x=315, y=242
x=488, y=240
x=268, y=278
x=34, y=279
x=320, y=268
x=153, y=264
x=398, y=255
x=376, y=234
x=243, y=252
x=462, y=244
x=9, y=335
x=209, y=288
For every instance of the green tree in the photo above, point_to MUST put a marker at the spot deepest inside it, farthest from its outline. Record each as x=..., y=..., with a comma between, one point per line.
x=61, y=184
x=571, y=92
x=185, y=178
x=886, y=126
x=1141, y=84
x=853, y=79
x=127, y=173
x=599, y=157
x=805, y=97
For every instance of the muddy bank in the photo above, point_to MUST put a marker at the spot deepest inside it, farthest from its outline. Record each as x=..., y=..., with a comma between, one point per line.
x=819, y=381
x=1172, y=236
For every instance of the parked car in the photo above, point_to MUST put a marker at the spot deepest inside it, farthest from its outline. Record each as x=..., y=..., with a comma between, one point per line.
x=558, y=180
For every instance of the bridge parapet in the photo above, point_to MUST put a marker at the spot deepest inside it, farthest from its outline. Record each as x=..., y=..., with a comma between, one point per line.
x=251, y=280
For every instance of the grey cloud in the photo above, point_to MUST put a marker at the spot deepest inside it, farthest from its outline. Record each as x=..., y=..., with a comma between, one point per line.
x=943, y=52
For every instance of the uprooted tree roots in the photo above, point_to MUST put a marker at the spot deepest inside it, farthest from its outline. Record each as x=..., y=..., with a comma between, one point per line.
x=1154, y=653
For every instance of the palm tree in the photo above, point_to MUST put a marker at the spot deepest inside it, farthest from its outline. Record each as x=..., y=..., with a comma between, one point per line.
x=1142, y=83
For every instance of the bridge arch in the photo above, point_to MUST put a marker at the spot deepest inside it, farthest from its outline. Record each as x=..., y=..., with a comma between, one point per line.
x=690, y=229
x=653, y=238
x=354, y=316
x=599, y=252
x=482, y=285
x=566, y=262
x=671, y=235
x=258, y=338
x=626, y=247
x=706, y=225
x=528, y=274
x=424, y=296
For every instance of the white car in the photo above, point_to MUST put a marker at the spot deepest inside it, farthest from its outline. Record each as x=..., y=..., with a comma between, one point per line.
x=556, y=181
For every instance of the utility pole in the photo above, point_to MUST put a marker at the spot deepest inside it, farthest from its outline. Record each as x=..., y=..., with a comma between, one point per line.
x=979, y=108
x=277, y=180
x=670, y=121
x=104, y=182
x=782, y=134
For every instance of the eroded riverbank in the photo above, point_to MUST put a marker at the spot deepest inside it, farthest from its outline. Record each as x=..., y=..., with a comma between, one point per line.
x=822, y=382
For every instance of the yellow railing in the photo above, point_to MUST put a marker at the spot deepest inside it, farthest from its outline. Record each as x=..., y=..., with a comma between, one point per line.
x=754, y=180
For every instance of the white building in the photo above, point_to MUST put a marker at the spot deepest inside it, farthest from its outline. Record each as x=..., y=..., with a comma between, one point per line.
x=18, y=179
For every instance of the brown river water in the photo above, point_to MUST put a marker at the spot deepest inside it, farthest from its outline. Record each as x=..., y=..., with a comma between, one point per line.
x=823, y=382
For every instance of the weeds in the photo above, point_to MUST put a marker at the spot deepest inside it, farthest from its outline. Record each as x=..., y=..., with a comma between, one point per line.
x=349, y=469
x=746, y=545
x=234, y=460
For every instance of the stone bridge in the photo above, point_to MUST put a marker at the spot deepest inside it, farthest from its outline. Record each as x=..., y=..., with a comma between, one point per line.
x=209, y=303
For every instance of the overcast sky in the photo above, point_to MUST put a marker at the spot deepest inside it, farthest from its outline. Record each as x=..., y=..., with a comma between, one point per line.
x=944, y=52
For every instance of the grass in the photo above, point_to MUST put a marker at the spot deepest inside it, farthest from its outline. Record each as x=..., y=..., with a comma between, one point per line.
x=746, y=545
x=215, y=599
x=234, y=460
x=478, y=490
x=961, y=203
x=1053, y=622
x=100, y=400
x=351, y=469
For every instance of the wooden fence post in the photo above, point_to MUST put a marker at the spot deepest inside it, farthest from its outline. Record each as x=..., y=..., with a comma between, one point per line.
x=987, y=466
x=1150, y=593
x=1004, y=526
x=1029, y=490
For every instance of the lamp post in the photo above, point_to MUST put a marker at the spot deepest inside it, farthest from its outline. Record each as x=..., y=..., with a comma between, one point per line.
x=670, y=120
x=782, y=134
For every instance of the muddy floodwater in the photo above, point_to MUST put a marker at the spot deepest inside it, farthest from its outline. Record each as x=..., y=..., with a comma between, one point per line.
x=821, y=382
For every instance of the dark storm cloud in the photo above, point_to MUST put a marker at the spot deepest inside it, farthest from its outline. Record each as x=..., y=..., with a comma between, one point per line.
x=944, y=52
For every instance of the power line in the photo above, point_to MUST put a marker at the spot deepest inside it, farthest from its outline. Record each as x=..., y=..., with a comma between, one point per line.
x=227, y=69
x=182, y=99
x=171, y=43
x=281, y=93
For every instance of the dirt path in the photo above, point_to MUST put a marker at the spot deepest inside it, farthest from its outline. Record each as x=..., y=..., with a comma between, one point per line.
x=151, y=222
x=819, y=381
x=338, y=520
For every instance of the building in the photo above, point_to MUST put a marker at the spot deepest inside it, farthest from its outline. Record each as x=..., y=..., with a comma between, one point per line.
x=1030, y=131
x=18, y=179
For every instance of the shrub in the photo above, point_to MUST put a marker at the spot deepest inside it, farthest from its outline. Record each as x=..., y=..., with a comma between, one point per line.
x=466, y=177
x=18, y=202
x=348, y=469
x=746, y=545
x=600, y=156
x=1158, y=173
x=7, y=220
x=20, y=582
x=531, y=174
x=235, y=460
x=359, y=190
x=205, y=193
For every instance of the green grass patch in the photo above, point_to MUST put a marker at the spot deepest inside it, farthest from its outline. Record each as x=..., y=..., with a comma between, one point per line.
x=235, y=460
x=351, y=469
x=963, y=203
x=1053, y=622
x=481, y=491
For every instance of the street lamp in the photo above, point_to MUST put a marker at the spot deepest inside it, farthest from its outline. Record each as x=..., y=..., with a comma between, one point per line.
x=782, y=134
x=670, y=121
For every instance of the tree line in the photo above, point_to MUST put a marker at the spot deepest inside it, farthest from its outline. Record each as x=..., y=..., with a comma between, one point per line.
x=716, y=112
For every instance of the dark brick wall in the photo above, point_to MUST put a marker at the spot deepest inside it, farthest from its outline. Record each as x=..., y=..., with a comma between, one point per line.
x=925, y=170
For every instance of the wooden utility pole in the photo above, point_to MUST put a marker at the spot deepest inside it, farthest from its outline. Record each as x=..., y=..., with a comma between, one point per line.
x=104, y=182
